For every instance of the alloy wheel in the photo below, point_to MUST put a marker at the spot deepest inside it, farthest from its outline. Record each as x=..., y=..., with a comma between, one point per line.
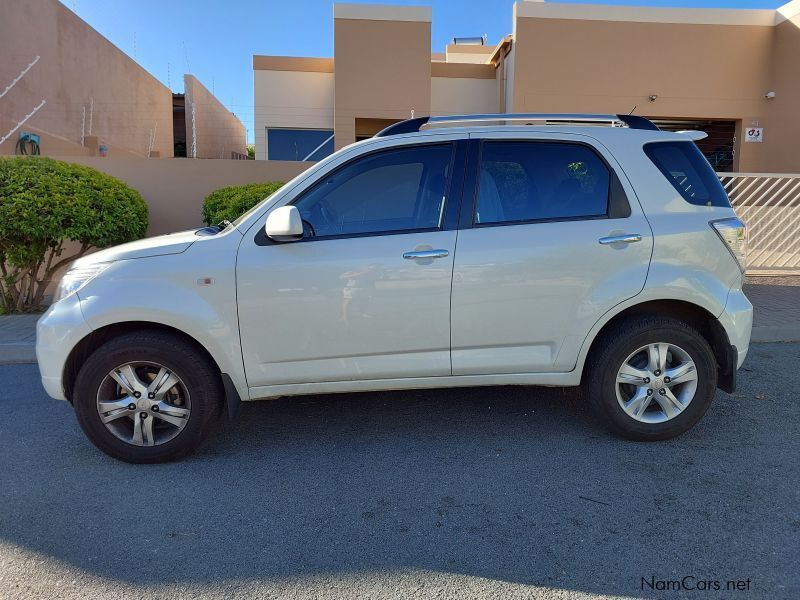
x=656, y=383
x=143, y=403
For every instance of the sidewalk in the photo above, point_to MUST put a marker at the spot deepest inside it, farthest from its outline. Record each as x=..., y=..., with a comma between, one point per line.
x=776, y=319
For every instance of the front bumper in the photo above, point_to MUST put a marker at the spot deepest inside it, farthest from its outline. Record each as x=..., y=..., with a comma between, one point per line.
x=57, y=332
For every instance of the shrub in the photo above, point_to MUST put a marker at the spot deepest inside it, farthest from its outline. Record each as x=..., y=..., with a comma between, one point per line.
x=46, y=203
x=229, y=203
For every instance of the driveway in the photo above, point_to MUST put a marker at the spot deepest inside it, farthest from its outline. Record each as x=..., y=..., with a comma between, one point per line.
x=474, y=493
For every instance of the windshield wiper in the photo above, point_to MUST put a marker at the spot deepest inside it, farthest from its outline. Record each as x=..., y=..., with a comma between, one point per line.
x=214, y=229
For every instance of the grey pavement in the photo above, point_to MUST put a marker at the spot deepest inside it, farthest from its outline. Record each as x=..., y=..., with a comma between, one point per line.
x=776, y=301
x=17, y=338
x=470, y=493
x=776, y=318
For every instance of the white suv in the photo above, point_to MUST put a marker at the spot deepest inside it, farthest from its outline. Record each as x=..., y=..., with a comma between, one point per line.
x=553, y=250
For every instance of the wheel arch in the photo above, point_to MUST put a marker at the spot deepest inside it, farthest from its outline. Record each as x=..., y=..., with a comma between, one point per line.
x=696, y=316
x=84, y=348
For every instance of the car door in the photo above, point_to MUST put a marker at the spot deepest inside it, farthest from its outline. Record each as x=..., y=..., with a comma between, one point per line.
x=366, y=293
x=552, y=237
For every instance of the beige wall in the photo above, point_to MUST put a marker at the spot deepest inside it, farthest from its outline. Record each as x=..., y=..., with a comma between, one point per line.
x=468, y=53
x=460, y=95
x=291, y=92
x=383, y=67
x=697, y=71
x=76, y=65
x=781, y=146
x=219, y=131
x=174, y=189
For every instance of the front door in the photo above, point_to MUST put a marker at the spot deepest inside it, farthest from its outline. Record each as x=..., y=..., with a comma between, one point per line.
x=366, y=293
x=543, y=254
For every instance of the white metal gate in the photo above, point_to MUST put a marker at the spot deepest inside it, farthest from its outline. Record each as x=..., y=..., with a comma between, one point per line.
x=769, y=203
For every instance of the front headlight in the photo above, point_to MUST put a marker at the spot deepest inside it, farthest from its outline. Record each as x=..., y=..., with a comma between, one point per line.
x=76, y=278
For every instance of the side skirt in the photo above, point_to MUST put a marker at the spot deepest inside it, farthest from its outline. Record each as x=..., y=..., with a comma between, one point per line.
x=266, y=392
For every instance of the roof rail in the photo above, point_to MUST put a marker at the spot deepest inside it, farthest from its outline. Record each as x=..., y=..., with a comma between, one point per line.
x=414, y=125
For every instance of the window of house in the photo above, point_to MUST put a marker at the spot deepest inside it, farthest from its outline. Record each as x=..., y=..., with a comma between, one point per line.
x=534, y=181
x=299, y=144
x=389, y=191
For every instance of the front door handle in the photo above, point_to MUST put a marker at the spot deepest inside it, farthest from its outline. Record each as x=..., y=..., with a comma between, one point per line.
x=627, y=238
x=425, y=254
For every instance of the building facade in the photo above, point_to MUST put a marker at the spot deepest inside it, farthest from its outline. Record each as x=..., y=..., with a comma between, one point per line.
x=65, y=83
x=732, y=73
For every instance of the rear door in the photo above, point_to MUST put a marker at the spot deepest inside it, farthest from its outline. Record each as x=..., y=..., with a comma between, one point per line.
x=552, y=237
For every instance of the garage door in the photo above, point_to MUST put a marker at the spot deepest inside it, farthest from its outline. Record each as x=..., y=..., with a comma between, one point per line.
x=718, y=147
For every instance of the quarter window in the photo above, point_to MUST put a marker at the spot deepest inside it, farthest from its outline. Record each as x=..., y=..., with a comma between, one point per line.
x=299, y=144
x=689, y=172
x=535, y=181
x=390, y=191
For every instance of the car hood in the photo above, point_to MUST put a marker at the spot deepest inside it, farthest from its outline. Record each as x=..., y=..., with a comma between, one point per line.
x=172, y=243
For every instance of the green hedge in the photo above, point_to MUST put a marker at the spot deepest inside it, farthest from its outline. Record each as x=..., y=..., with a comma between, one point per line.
x=45, y=203
x=229, y=203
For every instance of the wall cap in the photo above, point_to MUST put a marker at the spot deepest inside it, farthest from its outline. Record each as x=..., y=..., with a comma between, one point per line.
x=382, y=12
x=648, y=14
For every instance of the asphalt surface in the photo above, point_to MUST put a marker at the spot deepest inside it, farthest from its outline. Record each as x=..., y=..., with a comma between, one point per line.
x=474, y=493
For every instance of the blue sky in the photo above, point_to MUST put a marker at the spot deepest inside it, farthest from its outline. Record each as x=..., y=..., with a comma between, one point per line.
x=215, y=39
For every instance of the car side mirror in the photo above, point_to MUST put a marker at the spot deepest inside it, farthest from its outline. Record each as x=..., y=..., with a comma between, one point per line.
x=284, y=224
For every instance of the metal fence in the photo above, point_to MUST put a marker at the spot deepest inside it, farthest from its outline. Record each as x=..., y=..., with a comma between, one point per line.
x=769, y=203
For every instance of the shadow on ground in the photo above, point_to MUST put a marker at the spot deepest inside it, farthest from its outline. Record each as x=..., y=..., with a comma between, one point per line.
x=511, y=484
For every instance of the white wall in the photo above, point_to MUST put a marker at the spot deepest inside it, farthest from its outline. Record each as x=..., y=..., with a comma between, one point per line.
x=291, y=99
x=457, y=95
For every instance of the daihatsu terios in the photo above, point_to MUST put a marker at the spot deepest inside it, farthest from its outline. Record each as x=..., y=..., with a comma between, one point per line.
x=464, y=251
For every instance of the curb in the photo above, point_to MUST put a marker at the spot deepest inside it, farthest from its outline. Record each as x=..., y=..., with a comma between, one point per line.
x=16, y=353
x=765, y=334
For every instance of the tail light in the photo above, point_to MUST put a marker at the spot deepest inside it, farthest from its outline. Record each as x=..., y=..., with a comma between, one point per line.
x=734, y=234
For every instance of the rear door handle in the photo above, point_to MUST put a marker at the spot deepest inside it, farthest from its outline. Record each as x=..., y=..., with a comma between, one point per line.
x=425, y=254
x=627, y=238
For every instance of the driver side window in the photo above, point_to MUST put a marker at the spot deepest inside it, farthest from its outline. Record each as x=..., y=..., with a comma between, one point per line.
x=396, y=190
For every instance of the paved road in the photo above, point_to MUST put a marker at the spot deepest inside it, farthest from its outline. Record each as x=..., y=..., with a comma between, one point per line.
x=450, y=494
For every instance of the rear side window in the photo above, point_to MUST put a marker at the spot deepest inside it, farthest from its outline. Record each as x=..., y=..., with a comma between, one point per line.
x=688, y=171
x=536, y=181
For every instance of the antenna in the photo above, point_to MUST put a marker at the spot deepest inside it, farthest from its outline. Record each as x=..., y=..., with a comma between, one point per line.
x=186, y=57
x=20, y=76
x=194, y=133
x=633, y=109
x=22, y=122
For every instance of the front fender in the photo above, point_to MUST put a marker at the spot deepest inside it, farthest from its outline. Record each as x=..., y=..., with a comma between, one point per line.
x=198, y=301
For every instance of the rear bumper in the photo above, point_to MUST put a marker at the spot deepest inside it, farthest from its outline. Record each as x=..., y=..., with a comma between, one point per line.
x=737, y=320
x=57, y=332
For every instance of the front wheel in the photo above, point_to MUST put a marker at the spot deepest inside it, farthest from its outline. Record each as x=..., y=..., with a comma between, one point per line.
x=147, y=397
x=651, y=378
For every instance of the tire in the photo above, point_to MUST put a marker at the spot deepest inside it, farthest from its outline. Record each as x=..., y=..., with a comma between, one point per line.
x=619, y=396
x=172, y=422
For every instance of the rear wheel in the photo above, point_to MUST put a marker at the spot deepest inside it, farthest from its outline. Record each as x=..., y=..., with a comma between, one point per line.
x=147, y=397
x=651, y=378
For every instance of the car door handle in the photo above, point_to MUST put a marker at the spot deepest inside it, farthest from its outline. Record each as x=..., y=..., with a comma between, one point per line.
x=627, y=238
x=425, y=254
